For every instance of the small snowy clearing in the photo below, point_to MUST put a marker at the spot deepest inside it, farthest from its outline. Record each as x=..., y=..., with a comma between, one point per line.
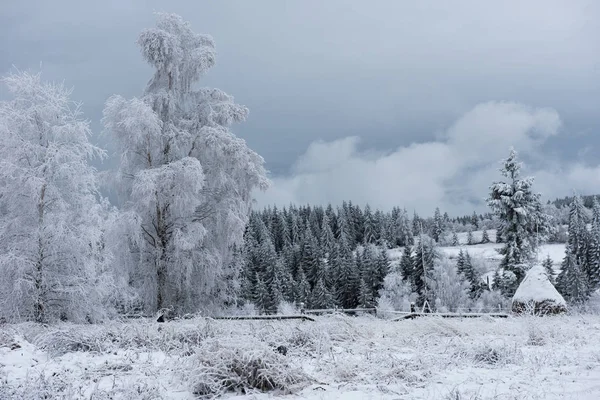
x=336, y=357
x=486, y=255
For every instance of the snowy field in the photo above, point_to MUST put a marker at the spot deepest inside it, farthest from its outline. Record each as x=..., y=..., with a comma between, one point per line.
x=336, y=357
x=486, y=255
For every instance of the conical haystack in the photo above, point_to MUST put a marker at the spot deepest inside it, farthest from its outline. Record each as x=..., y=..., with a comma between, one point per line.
x=537, y=295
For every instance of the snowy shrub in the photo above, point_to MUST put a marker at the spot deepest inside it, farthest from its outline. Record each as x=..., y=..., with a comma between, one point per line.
x=450, y=289
x=491, y=301
x=397, y=293
x=59, y=342
x=58, y=385
x=535, y=336
x=496, y=354
x=38, y=387
x=456, y=394
x=222, y=366
x=286, y=308
x=384, y=306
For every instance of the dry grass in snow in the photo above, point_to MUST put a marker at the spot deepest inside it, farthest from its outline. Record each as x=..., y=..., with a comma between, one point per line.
x=337, y=357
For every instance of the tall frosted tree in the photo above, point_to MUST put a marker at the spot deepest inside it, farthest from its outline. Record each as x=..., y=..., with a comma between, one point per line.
x=426, y=253
x=438, y=225
x=593, y=263
x=50, y=230
x=475, y=220
x=455, y=241
x=448, y=287
x=548, y=268
x=183, y=174
x=573, y=280
x=485, y=238
x=407, y=264
x=523, y=224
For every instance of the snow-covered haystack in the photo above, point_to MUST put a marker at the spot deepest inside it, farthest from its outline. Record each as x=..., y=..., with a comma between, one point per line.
x=537, y=295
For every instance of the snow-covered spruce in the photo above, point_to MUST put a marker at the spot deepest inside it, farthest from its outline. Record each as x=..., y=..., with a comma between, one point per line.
x=524, y=224
x=536, y=294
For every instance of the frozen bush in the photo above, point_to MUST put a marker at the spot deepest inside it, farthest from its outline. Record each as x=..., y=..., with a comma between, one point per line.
x=222, y=366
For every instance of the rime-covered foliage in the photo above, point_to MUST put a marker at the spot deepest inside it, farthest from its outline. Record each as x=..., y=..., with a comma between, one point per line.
x=549, y=269
x=449, y=290
x=524, y=224
x=338, y=257
x=184, y=177
x=580, y=270
x=438, y=225
x=485, y=238
x=319, y=260
x=51, y=257
x=426, y=255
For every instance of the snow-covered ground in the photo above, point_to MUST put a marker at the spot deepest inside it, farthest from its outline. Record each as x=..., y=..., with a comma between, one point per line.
x=336, y=357
x=486, y=255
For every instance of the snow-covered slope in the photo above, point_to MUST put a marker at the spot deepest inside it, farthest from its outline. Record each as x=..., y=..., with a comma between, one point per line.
x=487, y=255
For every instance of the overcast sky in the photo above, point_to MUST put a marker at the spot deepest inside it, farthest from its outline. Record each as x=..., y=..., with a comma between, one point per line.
x=409, y=103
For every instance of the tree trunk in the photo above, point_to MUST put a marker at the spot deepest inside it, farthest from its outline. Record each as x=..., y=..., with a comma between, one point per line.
x=38, y=283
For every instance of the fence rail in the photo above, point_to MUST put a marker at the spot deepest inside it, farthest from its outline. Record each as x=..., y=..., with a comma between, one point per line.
x=452, y=315
x=265, y=317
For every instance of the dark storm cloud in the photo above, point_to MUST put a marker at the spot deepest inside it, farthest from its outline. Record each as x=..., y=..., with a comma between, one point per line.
x=389, y=72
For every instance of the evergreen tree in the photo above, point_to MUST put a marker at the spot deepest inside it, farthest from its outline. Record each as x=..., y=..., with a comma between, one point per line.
x=320, y=297
x=471, y=276
x=426, y=254
x=357, y=223
x=327, y=237
x=475, y=220
x=499, y=236
x=523, y=223
x=454, y=239
x=295, y=236
x=438, y=225
x=369, y=265
x=348, y=286
x=416, y=224
x=365, y=296
x=406, y=264
x=497, y=281
x=593, y=270
x=369, y=235
x=446, y=218
x=261, y=295
x=573, y=276
x=573, y=284
x=276, y=295
x=485, y=237
x=547, y=264
x=310, y=261
x=281, y=232
x=303, y=291
x=383, y=264
x=460, y=262
x=470, y=237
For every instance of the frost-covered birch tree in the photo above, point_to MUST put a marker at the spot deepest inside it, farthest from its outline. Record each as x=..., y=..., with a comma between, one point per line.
x=50, y=225
x=184, y=176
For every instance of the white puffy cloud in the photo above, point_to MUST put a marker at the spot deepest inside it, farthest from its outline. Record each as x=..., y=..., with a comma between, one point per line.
x=452, y=172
